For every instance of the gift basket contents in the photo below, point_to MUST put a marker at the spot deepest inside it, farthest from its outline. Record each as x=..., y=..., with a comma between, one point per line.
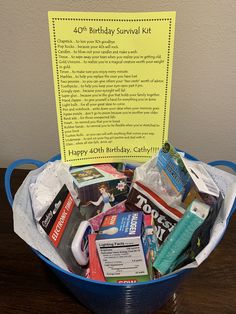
x=123, y=223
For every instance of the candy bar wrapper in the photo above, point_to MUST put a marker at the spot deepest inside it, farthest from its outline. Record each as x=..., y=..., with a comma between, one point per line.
x=142, y=198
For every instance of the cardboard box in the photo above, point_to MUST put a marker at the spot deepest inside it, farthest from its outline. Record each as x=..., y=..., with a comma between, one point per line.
x=122, y=248
x=100, y=187
x=60, y=223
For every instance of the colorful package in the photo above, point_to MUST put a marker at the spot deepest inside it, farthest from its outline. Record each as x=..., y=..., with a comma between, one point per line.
x=99, y=188
x=173, y=172
x=165, y=217
x=122, y=248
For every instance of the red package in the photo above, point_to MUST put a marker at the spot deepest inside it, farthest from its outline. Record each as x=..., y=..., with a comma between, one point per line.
x=95, y=268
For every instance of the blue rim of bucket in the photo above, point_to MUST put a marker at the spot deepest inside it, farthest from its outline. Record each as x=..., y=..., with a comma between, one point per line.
x=164, y=278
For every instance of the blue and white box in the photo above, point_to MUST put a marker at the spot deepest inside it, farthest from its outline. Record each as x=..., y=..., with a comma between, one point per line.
x=122, y=248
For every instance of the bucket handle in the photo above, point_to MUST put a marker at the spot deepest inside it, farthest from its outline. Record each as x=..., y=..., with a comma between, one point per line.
x=225, y=163
x=37, y=163
x=17, y=163
x=11, y=168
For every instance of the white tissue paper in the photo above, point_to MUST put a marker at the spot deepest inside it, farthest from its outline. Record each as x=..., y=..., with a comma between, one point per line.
x=48, y=184
x=33, y=198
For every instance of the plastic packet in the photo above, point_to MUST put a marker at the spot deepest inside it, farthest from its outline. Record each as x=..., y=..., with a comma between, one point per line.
x=174, y=175
x=149, y=174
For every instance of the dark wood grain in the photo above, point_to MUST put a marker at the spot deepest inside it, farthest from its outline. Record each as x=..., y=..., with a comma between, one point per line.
x=27, y=286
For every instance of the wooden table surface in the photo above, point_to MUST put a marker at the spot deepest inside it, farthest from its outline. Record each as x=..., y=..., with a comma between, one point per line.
x=27, y=286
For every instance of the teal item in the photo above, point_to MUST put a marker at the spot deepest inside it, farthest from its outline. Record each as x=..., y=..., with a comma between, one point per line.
x=181, y=236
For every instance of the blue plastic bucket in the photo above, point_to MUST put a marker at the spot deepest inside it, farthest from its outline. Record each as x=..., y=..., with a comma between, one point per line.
x=104, y=297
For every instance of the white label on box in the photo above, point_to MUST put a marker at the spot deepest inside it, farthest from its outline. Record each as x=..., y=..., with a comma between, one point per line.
x=122, y=257
x=201, y=177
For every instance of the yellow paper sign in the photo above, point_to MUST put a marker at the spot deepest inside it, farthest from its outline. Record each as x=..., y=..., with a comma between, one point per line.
x=112, y=78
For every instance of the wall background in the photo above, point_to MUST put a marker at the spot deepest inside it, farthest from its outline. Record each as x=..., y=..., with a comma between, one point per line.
x=203, y=101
